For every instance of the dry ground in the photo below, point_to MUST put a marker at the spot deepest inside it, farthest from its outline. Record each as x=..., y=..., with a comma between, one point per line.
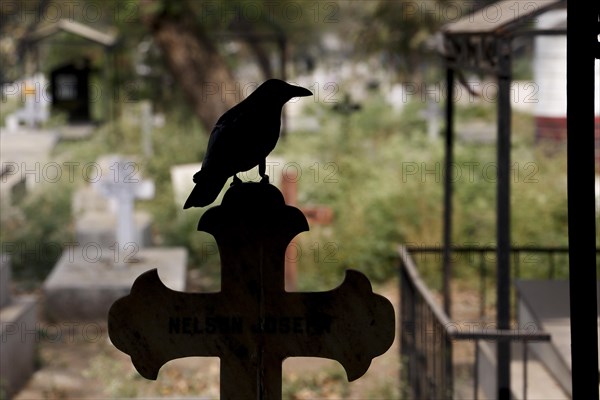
x=77, y=361
x=83, y=364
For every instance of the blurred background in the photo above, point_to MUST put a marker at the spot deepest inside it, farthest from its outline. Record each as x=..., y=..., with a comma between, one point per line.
x=96, y=94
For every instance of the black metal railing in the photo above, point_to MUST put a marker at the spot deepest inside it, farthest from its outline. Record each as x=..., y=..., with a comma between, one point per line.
x=527, y=262
x=427, y=336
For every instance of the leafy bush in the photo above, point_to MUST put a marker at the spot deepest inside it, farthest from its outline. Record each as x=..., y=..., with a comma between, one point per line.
x=388, y=189
x=376, y=169
x=35, y=234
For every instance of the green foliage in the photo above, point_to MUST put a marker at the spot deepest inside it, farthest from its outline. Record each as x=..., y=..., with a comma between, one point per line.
x=9, y=106
x=35, y=233
x=385, y=185
x=375, y=207
x=376, y=169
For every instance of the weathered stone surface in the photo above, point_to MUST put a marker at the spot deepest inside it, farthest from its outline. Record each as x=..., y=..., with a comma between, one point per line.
x=18, y=335
x=4, y=280
x=84, y=285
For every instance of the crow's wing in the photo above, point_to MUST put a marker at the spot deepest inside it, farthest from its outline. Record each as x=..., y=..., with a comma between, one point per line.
x=242, y=137
x=225, y=139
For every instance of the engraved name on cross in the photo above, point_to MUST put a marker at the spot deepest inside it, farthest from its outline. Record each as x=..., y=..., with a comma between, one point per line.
x=252, y=324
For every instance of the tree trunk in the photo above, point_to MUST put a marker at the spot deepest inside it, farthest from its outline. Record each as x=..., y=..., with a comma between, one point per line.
x=196, y=65
x=249, y=36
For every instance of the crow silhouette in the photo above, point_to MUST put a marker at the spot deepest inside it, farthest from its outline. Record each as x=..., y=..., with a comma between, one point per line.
x=241, y=139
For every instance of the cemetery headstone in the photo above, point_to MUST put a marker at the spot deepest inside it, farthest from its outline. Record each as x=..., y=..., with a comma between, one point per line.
x=125, y=188
x=346, y=108
x=110, y=250
x=36, y=108
x=18, y=327
x=433, y=115
x=252, y=324
x=104, y=210
x=11, y=123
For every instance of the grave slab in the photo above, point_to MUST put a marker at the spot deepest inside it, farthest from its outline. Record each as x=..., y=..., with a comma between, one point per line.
x=18, y=335
x=84, y=284
x=18, y=323
x=4, y=280
x=27, y=145
x=24, y=155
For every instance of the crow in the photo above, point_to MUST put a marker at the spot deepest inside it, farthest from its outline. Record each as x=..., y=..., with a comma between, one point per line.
x=241, y=139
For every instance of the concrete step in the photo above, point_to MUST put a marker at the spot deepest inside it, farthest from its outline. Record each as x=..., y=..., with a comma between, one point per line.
x=541, y=384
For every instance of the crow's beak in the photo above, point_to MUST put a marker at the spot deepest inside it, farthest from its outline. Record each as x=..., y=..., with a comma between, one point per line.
x=298, y=91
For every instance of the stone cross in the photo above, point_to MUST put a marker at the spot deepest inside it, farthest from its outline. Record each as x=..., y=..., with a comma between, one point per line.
x=252, y=324
x=433, y=115
x=123, y=185
x=36, y=106
x=346, y=108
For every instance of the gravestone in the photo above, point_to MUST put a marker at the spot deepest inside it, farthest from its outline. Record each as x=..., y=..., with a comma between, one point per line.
x=36, y=108
x=124, y=189
x=252, y=324
x=346, y=108
x=18, y=334
x=105, y=208
x=433, y=115
x=110, y=250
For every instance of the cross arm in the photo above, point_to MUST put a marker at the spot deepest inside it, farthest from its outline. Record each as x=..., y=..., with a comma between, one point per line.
x=350, y=324
x=154, y=324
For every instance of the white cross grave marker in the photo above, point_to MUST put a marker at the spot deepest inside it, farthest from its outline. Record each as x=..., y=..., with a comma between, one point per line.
x=35, y=111
x=123, y=186
x=433, y=115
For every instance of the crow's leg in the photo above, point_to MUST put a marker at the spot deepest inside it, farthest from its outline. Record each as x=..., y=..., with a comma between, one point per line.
x=262, y=169
x=236, y=180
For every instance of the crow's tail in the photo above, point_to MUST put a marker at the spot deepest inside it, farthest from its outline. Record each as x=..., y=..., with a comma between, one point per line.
x=208, y=186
